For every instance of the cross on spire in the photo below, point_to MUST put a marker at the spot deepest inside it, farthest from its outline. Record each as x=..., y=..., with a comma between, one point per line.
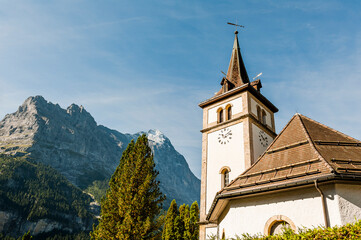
x=235, y=24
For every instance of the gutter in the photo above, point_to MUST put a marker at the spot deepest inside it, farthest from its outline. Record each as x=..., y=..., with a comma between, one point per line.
x=324, y=207
x=267, y=189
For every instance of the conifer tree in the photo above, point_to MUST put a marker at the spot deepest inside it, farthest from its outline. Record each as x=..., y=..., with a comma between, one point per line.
x=27, y=236
x=168, y=229
x=186, y=220
x=133, y=201
x=182, y=224
x=178, y=228
x=194, y=219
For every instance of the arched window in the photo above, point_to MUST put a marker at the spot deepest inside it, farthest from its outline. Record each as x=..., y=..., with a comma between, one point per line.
x=224, y=176
x=278, y=227
x=264, y=117
x=220, y=115
x=259, y=117
x=228, y=112
x=277, y=224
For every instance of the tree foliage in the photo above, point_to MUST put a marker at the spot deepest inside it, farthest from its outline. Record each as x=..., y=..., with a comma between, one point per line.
x=27, y=236
x=133, y=202
x=98, y=189
x=169, y=228
x=194, y=219
x=181, y=224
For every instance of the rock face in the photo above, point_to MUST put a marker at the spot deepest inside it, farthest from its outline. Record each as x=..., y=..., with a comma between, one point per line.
x=71, y=142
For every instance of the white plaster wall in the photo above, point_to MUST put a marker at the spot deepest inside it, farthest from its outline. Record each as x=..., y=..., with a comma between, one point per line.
x=250, y=215
x=211, y=231
x=254, y=111
x=236, y=108
x=349, y=202
x=220, y=155
x=258, y=148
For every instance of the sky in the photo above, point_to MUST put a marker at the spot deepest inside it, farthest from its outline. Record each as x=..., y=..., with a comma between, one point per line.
x=139, y=65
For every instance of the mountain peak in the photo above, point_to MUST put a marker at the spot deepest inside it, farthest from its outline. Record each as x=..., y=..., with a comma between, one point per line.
x=36, y=99
x=70, y=141
x=74, y=108
x=80, y=115
x=156, y=136
x=32, y=103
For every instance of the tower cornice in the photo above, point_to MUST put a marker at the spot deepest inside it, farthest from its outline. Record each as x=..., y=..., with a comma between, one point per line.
x=244, y=87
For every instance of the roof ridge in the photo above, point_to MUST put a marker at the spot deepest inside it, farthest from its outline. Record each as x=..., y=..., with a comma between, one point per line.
x=265, y=151
x=329, y=128
x=313, y=144
x=273, y=142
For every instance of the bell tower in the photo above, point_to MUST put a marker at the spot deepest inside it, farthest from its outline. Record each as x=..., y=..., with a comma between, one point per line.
x=238, y=126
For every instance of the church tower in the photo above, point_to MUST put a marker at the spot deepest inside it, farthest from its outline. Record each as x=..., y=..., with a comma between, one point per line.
x=238, y=126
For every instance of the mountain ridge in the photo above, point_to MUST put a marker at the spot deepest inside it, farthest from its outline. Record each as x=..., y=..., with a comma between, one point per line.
x=70, y=141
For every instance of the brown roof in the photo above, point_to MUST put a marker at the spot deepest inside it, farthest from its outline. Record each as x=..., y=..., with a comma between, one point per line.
x=304, y=150
x=236, y=74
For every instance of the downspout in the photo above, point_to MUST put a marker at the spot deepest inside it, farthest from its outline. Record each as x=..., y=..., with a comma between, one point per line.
x=323, y=204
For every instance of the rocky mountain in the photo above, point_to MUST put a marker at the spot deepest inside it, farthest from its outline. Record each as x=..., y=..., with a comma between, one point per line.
x=70, y=141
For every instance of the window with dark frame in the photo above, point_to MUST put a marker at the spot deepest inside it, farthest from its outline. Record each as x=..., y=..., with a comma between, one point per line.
x=226, y=178
x=229, y=113
x=220, y=116
x=259, y=114
x=264, y=117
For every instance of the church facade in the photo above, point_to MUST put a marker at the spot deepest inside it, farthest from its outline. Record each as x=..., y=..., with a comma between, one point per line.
x=255, y=181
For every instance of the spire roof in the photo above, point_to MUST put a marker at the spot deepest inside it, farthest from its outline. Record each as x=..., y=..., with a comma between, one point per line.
x=237, y=73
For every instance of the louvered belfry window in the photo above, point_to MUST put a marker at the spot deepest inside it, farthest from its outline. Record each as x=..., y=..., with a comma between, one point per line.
x=229, y=113
x=220, y=117
x=226, y=178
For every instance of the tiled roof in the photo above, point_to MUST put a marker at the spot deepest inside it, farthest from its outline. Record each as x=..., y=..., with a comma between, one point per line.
x=305, y=149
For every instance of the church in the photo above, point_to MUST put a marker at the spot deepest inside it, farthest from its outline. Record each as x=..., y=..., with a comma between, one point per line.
x=255, y=181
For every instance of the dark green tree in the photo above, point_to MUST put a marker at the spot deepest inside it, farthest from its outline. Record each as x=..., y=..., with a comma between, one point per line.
x=168, y=228
x=133, y=202
x=194, y=219
x=182, y=224
x=27, y=236
x=178, y=228
x=186, y=219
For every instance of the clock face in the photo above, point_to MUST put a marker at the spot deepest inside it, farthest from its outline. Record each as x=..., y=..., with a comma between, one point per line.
x=263, y=138
x=225, y=136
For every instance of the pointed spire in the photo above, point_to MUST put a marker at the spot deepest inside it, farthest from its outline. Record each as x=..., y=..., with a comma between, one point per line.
x=237, y=73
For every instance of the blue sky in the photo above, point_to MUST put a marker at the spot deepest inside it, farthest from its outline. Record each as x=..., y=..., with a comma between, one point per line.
x=139, y=65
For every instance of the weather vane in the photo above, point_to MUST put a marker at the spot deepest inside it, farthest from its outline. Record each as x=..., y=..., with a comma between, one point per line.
x=237, y=25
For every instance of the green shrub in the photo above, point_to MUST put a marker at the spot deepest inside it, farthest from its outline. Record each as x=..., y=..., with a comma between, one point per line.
x=348, y=231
